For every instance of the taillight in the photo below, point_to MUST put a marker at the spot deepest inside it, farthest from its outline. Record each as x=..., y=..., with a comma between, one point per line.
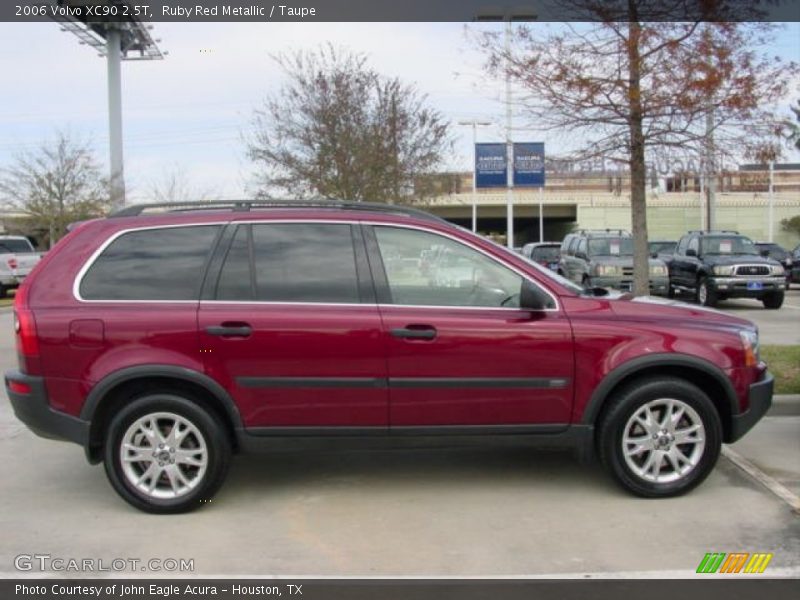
x=12, y=263
x=25, y=330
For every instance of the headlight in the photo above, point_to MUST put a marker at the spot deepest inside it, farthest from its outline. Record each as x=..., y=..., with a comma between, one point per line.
x=778, y=270
x=658, y=270
x=612, y=270
x=723, y=270
x=751, y=350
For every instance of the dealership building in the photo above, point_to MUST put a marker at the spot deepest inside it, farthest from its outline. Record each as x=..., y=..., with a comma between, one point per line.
x=599, y=200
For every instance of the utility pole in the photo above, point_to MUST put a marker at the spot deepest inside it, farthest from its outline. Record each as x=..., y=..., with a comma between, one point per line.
x=711, y=181
x=509, y=143
x=474, y=123
x=771, y=211
x=114, y=60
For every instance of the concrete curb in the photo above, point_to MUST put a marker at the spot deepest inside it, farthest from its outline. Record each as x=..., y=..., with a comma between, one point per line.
x=785, y=405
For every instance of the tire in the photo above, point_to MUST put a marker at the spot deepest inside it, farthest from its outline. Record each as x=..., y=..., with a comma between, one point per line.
x=3, y=291
x=670, y=290
x=704, y=294
x=773, y=300
x=586, y=282
x=683, y=466
x=193, y=468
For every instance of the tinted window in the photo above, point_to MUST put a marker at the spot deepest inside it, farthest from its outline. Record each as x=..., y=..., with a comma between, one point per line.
x=611, y=246
x=15, y=246
x=153, y=264
x=236, y=279
x=546, y=253
x=662, y=247
x=458, y=275
x=293, y=262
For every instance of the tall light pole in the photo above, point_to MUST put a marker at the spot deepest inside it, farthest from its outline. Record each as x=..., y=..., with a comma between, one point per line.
x=117, y=38
x=509, y=143
x=474, y=124
x=508, y=17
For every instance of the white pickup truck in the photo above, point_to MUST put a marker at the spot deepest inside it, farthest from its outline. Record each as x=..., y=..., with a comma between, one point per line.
x=17, y=258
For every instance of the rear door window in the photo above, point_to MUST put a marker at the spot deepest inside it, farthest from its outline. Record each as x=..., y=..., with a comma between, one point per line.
x=161, y=264
x=291, y=262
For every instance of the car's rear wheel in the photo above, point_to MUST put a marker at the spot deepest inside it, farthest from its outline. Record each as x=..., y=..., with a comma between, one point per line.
x=773, y=300
x=164, y=453
x=660, y=437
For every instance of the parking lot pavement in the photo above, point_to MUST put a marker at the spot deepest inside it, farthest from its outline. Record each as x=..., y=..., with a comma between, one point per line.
x=780, y=326
x=421, y=512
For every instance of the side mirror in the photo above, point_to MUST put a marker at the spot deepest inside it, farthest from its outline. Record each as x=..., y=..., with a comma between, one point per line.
x=764, y=253
x=531, y=297
x=581, y=255
x=691, y=252
x=654, y=255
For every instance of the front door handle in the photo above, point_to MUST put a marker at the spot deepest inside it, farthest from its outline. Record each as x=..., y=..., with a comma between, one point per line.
x=415, y=332
x=230, y=330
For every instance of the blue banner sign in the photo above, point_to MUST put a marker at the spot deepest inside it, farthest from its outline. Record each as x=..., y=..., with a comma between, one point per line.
x=529, y=164
x=490, y=166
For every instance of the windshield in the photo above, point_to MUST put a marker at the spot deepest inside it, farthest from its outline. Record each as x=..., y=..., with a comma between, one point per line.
x=662, y=247
x=610, y=246
x=546, y=253
x=18, y=245
x=719, y=244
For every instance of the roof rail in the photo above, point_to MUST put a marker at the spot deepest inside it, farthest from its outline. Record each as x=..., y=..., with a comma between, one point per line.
x=615, y=231
x=702, y=232
x=248, y=205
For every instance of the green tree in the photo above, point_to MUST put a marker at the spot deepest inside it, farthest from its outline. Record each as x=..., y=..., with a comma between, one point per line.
x=55, y=185
x=339, y=129
x=792, y=224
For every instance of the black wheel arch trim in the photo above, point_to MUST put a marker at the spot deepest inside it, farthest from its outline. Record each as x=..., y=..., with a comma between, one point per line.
x=112, y=380
x=627, y=369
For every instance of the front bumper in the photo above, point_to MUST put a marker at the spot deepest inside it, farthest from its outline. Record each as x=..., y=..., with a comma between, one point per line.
x=34, y=410
x=760, y=399
x=658, y=285
x=743, y=287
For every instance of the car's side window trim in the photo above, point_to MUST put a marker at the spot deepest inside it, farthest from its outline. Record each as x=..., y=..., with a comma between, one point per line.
x=382, y=282
x=76, y=284
x=366, y=293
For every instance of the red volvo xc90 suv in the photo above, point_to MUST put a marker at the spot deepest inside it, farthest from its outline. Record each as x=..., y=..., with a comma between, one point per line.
x=166, y=339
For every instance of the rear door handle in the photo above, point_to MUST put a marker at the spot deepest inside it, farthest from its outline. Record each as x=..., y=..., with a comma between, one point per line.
x=239, y=330
x=418, y=332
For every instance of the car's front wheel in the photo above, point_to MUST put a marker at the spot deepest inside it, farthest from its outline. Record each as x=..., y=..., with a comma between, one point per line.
x=164, y=453
x=660, y=437
x=705, y=294
x=773, y=300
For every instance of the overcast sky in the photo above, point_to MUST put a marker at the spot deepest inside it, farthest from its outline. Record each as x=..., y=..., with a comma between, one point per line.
x=188, y=112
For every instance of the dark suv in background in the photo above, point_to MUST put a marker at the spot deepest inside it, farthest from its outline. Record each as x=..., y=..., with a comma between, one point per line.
x=164, y=342
x=716, y=265
x=604, y=259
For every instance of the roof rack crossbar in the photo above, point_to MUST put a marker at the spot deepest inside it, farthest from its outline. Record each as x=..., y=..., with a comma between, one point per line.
x=247, y=205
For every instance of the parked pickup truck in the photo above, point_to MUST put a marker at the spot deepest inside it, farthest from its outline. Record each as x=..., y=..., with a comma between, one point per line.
x=17, y=258
x=716, y=265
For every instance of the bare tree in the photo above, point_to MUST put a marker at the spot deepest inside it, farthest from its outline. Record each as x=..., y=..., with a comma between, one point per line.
x=53, y=186
x=339, y=129
x=175, y=186
x=646, y=75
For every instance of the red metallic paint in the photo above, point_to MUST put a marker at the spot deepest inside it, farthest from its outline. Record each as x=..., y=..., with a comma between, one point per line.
x=583, y=341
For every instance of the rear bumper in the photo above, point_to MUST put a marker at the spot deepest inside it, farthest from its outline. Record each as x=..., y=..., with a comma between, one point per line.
x=760, y=397
x=34, y=410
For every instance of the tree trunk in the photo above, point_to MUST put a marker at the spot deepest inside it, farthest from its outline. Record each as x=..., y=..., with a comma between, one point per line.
x=641, y=268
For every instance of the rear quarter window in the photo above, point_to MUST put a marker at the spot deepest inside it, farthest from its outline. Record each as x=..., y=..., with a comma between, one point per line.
x=153, y=264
